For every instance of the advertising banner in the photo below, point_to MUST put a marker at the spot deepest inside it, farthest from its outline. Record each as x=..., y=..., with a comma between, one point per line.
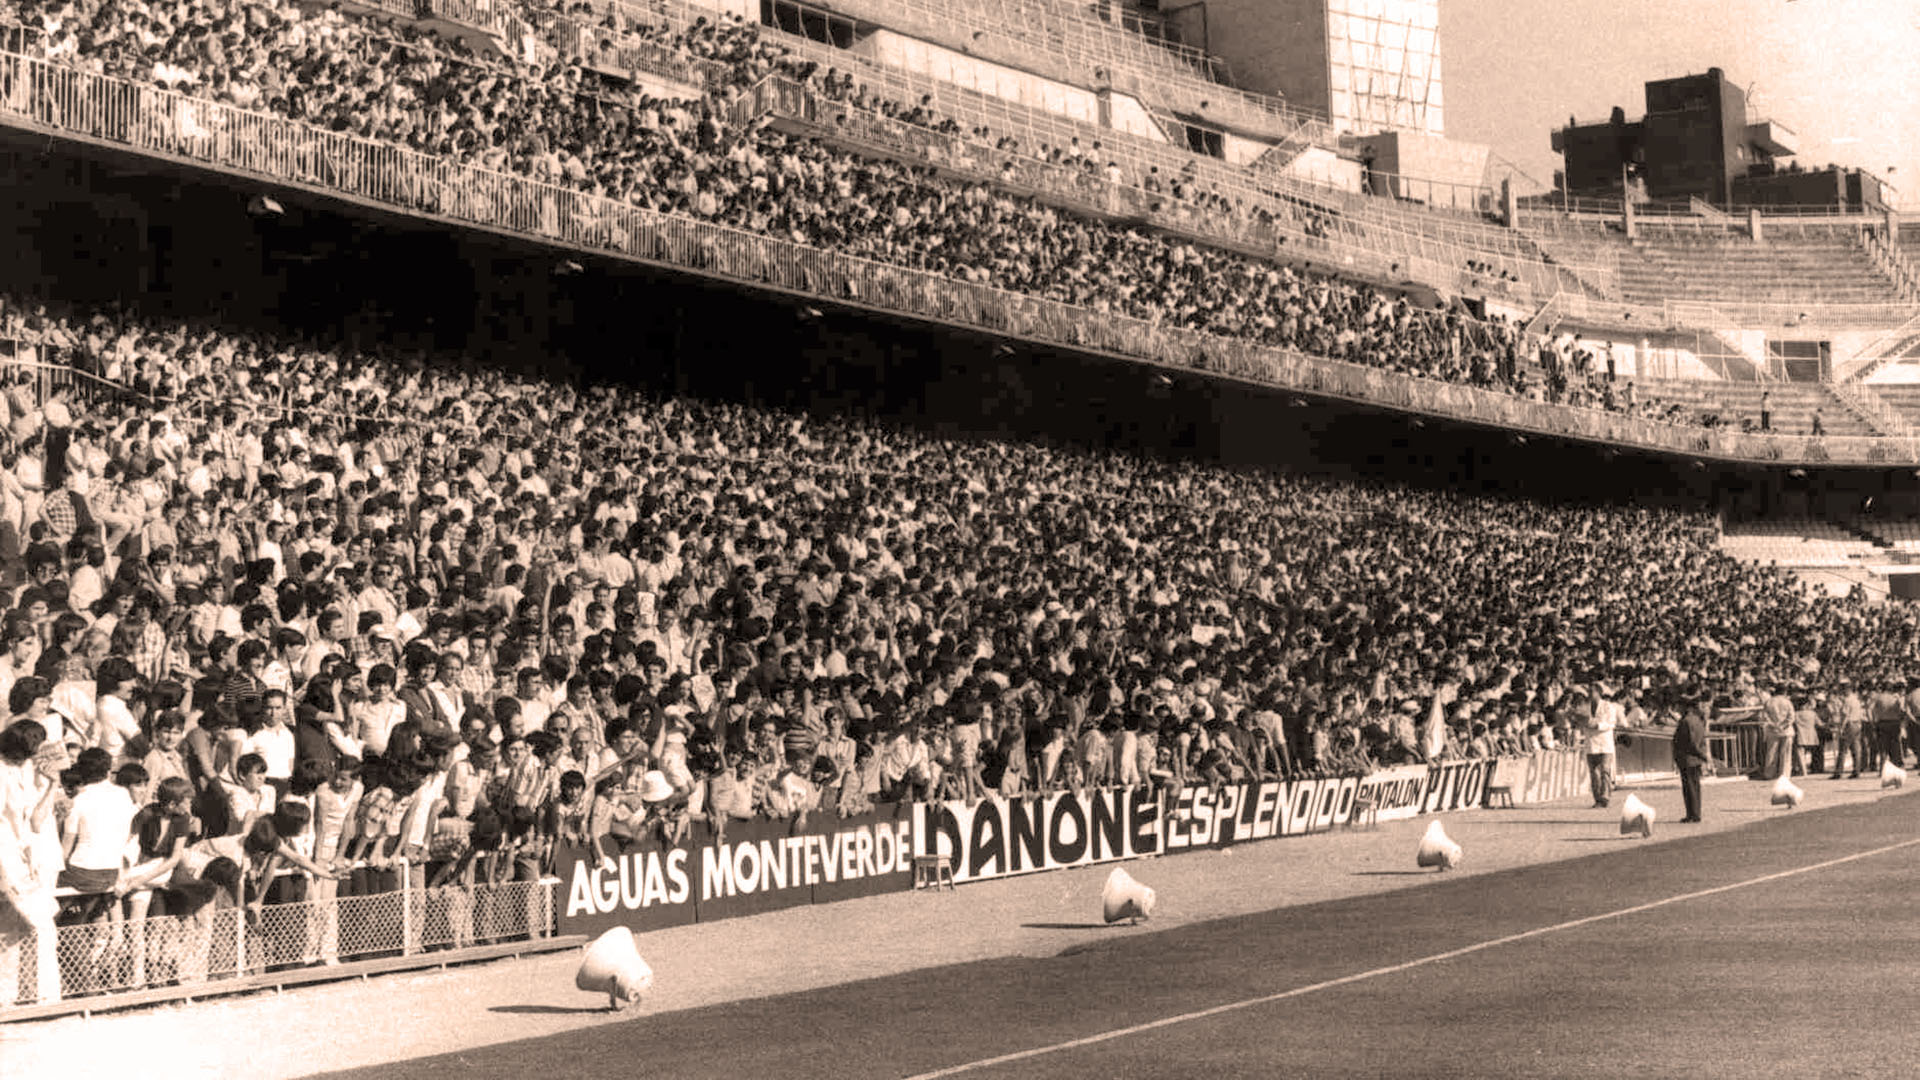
x=1201, y=817
x=1211, y=817
x=1042, y=832
x=1546, y=775
x=764, y=865
x=758, y=866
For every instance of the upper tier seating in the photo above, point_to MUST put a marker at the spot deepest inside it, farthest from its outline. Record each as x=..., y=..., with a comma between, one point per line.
x=1903, y=398
x=1792, y=405
x=1684, y=265
x=564, y=125
x=1825, y=276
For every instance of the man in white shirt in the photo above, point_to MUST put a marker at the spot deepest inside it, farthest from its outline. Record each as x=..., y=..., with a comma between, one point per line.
x=1607, y=714
x=98, y=825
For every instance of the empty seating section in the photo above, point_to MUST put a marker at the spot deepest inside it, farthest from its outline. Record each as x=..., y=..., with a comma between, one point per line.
x=1900, y=536
x=1701, y=276
x=1803, y=543
x=1681, y=265
x=1902, y=398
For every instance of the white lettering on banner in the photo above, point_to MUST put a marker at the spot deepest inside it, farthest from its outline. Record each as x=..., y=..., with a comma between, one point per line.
x=1065, y=829
x=636, y=880
x=743, y=855
x=1266, y=810
x=1396, y=792
x=863, y=854
x=1046, y=832
x=1302, y=806
x=716, y=873
x=804, y=861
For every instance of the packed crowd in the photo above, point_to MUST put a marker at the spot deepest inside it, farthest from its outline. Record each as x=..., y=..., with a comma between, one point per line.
x=271, y=639
x=268, y=636
x=566, y=124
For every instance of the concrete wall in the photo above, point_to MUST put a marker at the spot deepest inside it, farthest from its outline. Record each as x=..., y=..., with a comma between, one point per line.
x=746, y=9
x=1319, y=165
x=1239, y=151
x=937, y=62
x=1125, y=113
x=1425, y=168
x=1827, y=187
x=1592, y=154
x=1274, y=47
x=1897, y=373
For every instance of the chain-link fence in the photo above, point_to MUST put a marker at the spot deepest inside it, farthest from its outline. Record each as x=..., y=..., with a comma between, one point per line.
x=221, y=941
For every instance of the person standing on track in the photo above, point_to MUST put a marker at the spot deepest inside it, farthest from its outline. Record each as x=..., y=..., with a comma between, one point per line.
x=1889, y=713
x=1691, y=753
x=1849, y=730
x=1776, y=715
x=1606, y=717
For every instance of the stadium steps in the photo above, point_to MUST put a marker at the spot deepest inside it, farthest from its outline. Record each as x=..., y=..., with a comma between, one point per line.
x=1813, y=271
x=1895, y=345
x=1792, y=404
x=1902, y=398
x=1900, y=539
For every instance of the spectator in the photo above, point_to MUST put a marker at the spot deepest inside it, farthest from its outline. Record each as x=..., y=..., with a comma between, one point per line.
x=98, y=824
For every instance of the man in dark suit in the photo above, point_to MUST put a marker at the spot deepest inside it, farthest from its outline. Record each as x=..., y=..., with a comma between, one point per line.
x=1691, y=753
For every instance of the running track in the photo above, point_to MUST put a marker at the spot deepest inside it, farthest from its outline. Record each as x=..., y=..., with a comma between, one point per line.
x=1782, y=946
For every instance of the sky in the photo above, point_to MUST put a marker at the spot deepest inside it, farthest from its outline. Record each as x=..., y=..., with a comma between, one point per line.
x=1842, y=75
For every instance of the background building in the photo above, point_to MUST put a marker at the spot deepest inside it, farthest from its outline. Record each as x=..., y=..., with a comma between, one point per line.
x=1368, y=65
x=1696, y=141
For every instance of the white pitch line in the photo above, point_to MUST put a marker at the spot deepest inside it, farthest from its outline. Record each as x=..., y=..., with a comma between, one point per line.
x=1301, y=991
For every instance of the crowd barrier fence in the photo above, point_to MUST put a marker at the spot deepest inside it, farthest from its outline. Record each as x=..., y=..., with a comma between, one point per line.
x=89, y=964
x=754, y=867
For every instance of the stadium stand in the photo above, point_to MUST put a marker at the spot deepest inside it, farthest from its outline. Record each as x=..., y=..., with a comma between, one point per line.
x=298, y=622
x=1709, y=277
x=1792, y=406
x=1798, y=544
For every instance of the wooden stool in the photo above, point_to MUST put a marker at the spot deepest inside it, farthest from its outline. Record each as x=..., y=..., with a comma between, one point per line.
x=931, y=870
x=1500, y=796
x=1366, y=810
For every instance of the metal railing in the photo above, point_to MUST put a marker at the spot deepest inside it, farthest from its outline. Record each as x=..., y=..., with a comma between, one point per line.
x=1676, y=314
x=94, y=107
x=1356, y=240
x=223, y=942
x=46, y=378
x=604, y=50
x=1878, y=351
x=1892, y=262
x=1083, y=185
x=495, y=17
x=1878, y=414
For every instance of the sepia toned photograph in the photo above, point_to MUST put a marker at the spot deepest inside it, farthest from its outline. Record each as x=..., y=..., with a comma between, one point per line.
x=958, y=538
